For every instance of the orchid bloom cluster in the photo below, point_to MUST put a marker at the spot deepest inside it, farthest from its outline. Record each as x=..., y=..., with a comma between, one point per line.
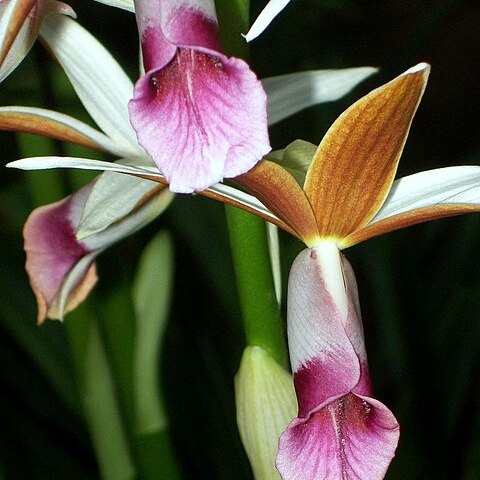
x=198, y=117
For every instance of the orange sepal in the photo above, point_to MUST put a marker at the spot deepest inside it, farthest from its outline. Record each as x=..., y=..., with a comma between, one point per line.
x=355, y=164
x=278, y=190
x=407, y=219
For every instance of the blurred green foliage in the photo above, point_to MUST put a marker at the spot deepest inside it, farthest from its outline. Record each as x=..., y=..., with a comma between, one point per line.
x=419, y=288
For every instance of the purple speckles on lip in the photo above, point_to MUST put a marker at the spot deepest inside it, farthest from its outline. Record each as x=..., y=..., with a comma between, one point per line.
x=200, y=115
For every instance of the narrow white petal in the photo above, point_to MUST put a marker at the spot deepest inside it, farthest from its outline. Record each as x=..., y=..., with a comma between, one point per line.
x=100, y=82
x=45, y=163
x=273, y=8
x=288, y=94
x=243, y=198
x=442, y=186
x=40, y=114
x=123, y=4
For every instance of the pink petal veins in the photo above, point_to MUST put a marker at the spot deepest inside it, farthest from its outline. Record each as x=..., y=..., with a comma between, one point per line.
x=201, y=118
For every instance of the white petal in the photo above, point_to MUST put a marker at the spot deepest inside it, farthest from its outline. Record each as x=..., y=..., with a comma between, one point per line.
x=39, y=114
x=113, y=196
x=273, y=8
x=100, y=82
x=123, y=4
x=451, y=185
x=288, y=94
x=131, y=223
x=45, y=163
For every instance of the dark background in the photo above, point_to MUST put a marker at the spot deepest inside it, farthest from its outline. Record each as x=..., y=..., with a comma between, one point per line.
x=419, y=288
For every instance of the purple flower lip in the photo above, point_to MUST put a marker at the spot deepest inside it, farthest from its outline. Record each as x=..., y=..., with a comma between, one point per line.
x=200, y=115
x=341, y=432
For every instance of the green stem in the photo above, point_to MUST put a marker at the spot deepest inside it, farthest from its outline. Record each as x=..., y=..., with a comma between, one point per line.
x=248, y=234
x=261, y=316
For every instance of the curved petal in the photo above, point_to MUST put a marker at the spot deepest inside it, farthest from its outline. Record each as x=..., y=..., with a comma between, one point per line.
x=55, y=125
x=272, y=9
x=289, y=94
x=325, y=334
x=52, y=253
x=352, y=437
x=201, y=118
x=422, y=197
x=20, y=22
x=219, y=192
x=101, y=84
x=355, y=164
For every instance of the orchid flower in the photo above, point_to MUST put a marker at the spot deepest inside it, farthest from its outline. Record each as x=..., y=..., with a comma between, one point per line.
x=113, y=200
x=60, y=265
x=348, y=195
x=20, y=21
x=200, y=115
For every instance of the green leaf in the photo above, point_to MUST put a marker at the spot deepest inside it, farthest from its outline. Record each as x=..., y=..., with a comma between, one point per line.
x=97, y=389
x=152, y=291
x=151, y=296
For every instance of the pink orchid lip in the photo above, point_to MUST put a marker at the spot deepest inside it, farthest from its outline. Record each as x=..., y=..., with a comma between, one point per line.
x=341, y=431
x=200, y=115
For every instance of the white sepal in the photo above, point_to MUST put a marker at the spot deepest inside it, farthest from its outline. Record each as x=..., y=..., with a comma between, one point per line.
x=112, y=197
x=123, y=4
x=289, y=94
x=272, y=9
x=101, y=84
x=442, y=186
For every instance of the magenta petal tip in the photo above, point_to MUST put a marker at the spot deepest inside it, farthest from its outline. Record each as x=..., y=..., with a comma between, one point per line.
x=351, y=437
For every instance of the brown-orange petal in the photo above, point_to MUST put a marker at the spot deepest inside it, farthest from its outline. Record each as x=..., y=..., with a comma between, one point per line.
x=278, y=190
x=407, y=219
x=355, y=164
x=26, y=122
